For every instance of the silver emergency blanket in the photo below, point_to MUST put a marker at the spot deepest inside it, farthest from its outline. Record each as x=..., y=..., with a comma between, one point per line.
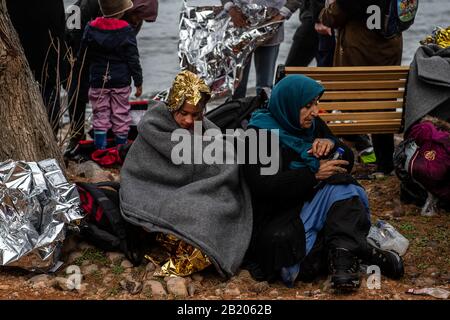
x=214, y=49
x=36, y=206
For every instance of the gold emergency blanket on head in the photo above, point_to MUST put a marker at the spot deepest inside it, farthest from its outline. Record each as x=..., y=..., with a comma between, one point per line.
x=187, y=87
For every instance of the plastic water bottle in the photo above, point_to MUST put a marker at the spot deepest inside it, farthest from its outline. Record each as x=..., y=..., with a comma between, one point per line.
x=338, y=154
x=384, y=236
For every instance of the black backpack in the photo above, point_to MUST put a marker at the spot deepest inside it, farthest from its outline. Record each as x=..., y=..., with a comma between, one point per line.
x=104, y=225
x=235, y=114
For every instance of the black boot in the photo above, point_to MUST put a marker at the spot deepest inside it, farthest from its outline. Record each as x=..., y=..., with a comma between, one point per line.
x=344, y=269
x=390, y=263
x=315, y=263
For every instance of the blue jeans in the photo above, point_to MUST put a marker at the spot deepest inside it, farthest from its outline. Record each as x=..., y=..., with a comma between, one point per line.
x=265, y=63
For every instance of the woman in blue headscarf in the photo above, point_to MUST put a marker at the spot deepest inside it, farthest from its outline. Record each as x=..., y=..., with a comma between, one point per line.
x=310, y=217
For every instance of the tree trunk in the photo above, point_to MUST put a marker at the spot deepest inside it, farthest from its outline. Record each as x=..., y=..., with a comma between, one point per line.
x=25, y=132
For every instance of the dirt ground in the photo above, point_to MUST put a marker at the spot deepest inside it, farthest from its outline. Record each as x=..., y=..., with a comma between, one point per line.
x=107, y=276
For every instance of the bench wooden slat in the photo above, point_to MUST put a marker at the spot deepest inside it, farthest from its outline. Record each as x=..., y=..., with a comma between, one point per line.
x=359, y=76
x=363, y=105
x=368, y=122
x=363, y=130
x=361, y=95
x=363, y=85
x=360, y=116
x=356, y=128
x=351, y=70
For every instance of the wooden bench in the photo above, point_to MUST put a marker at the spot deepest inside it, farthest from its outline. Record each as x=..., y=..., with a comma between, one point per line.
x=358, y=99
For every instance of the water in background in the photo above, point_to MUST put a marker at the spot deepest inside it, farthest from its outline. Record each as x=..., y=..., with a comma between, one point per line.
x=158, y=41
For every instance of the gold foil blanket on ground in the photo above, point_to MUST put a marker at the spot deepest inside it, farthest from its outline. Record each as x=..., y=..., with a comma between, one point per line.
x=184, y=259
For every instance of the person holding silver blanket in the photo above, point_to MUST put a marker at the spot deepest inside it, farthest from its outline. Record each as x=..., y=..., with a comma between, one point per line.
x=266, y=54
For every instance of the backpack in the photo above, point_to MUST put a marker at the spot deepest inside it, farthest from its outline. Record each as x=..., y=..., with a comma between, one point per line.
x=397, y=16
x=430, y=165
x=410, y=190
x=418, y=175
x=235, y=114
x=104, y=225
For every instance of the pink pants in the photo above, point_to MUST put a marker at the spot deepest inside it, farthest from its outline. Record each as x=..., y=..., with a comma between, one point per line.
x=111, y=109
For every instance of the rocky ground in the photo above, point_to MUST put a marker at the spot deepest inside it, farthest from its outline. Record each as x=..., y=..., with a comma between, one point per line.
x=108, y=275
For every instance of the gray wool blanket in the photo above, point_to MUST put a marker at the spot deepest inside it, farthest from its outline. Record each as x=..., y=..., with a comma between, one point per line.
x=428, y=83
x=208, y=206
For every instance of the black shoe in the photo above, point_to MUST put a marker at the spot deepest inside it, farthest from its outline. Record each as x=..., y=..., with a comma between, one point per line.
x=344, y=269
x=390, y=263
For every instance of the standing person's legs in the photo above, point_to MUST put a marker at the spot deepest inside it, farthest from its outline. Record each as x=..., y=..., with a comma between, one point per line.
x=363, y=145
x=360, y=141
x=265, y=64
x=304, y=45
x=120, y=118
x=101, y=107
x=383, y=145
x=241, y=90
x=325, y=52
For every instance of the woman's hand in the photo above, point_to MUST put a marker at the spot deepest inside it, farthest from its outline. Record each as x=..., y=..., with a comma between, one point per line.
x=329, y=168
x=321, y=147
x=238, y=18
